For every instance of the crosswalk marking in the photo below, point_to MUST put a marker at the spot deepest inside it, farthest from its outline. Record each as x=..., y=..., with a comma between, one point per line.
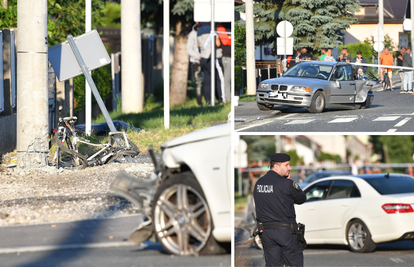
x=340, y=120
x=387, y=118
x=299, y=122
x=391, y=130
x=401, y=123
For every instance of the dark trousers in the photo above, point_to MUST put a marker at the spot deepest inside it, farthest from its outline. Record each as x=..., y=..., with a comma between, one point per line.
x=206, y=66
x=196, y=68
x=281, y=247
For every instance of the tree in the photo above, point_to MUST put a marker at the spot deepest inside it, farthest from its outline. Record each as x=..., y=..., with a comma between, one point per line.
x=182, y=15
x=388, y=43
x=240, y=44
x=316, y=23
x=397, y=148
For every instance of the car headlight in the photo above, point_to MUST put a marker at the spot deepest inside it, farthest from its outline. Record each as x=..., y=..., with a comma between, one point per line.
x=300, y=89
x=265, y=86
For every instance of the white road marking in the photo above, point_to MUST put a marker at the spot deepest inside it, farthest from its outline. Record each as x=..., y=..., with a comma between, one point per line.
x=391, y=130
x=387, y=118
x=310, y=252
x=401, y=123
x=256, y=125
x=397, y=260
x=299, y=122
x=341, y=120
x=69, y=246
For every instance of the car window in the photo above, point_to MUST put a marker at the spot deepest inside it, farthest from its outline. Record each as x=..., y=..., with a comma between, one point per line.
x=309, y=70
x=392, y=185
x=317, y=191
x=344, y=73
x=342, y=189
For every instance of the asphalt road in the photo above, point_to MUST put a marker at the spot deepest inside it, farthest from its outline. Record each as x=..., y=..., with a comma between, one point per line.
x=89, y=243
x=390, y=254
x=390, y=112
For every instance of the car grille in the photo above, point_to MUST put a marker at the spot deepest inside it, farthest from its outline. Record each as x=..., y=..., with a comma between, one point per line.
x=275, y=87
x=283, y=88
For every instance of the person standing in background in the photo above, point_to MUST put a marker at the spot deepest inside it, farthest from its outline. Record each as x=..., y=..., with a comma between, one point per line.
x=223, y=31
x=399, y=62
x=194, y=53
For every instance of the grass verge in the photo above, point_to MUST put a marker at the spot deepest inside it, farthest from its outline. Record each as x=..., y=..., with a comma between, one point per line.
x=247, y=98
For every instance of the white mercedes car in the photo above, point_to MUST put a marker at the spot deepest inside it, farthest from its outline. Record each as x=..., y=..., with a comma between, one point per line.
x=187, y=201
x=359, y=211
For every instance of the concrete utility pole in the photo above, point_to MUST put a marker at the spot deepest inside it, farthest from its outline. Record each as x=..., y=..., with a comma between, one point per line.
x=381, y=26
x=250, y=60
x=132, y=89
x=32, y=83
x=88, y=92
x=412, y=24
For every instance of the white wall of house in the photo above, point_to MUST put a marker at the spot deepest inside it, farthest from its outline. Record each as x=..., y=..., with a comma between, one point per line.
x=358, y=32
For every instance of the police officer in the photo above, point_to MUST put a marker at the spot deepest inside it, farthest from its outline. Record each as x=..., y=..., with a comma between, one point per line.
x=274, y=196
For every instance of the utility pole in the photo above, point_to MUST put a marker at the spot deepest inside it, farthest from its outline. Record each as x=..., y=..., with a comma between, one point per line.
x=381, y=27
x=412, y=24
x=32, y=83
x=250, y=60
x=132, y=89
x=88, y=91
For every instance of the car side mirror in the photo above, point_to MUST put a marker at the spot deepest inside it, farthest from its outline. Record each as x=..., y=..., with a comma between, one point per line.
x=338, y=84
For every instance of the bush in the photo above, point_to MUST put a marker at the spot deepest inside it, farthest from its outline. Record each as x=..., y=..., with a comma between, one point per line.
x=238, y=78
x=365, y=48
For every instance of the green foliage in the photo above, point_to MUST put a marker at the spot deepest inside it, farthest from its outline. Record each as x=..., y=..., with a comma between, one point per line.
x=259, y=148
x=102, y=79
x=326, y=156
x=388, y=43
x=316, y=23
x=365, y=48
x=8, y=17
x=238, y=77
x=294, y=157
x=240, y=44
x=112, y=16
x=400, y=147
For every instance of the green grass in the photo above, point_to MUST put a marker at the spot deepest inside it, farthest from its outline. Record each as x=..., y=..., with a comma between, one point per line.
x=247, y=98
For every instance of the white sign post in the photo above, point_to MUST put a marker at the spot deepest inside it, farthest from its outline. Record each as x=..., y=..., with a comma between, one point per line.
x=240, y=159
x=378, y=35
x=284, y=43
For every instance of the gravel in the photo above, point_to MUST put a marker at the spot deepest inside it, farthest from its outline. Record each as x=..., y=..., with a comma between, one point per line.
x=48, y=194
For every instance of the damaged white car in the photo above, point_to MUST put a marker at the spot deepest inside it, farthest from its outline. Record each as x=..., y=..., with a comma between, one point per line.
x=188, y=199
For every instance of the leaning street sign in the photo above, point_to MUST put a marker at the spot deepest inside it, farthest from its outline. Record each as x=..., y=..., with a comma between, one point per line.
x=91, y=49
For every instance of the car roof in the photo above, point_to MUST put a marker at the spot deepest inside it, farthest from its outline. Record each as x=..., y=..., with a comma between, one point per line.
x=332, y=171
x=380, y=175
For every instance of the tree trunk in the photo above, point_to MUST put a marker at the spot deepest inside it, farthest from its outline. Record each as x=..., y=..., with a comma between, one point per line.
x=179, y=73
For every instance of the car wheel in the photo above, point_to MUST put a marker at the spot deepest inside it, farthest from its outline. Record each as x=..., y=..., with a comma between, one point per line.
x=258, y=241
x=318, y=102
x=264, y=106
x=359, y=238
x=181, y=217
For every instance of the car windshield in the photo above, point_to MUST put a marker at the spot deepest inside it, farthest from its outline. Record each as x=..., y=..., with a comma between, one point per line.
x=310, y=70
x=392, y=185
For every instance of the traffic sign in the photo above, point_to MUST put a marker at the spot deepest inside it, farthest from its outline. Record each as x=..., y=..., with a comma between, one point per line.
x=280, y=41
x=378, y=46
x=378, y=34
x=284, y=28
x=285, y=50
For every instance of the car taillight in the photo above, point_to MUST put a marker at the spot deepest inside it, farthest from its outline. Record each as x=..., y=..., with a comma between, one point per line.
x=397, y=208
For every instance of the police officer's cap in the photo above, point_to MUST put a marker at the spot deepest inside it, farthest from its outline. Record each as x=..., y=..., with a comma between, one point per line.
x=280, y=157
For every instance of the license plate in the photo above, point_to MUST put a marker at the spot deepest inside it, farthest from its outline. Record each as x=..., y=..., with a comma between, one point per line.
x=270, y=94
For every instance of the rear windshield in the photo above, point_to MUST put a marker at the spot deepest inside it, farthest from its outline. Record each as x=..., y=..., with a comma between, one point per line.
x=392, y=185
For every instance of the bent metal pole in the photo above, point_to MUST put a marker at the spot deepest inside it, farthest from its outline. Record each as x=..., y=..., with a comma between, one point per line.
x=89, y=79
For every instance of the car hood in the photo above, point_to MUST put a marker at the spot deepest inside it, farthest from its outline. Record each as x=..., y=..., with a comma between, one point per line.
x=298, y=81
x=204, y=134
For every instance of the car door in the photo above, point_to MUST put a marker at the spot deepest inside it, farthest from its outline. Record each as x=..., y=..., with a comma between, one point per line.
x=333, y=212
x=307, y=212
x=342, y=86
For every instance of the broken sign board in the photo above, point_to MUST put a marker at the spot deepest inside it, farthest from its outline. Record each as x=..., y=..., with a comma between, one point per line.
x=91, y=48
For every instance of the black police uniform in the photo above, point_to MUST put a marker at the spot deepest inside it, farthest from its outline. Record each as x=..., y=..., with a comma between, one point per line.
x=274, y=197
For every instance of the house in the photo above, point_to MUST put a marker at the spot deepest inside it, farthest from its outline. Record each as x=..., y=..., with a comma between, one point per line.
x=394, y=14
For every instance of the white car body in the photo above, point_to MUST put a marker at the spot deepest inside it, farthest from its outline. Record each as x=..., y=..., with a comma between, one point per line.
x=326, y=220
x=207, y=154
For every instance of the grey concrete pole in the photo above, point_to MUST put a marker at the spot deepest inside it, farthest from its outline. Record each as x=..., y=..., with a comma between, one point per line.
x=32, y=83
x=132, y=89
x=250, y=60
x=412, y=25
x=88, y=92
x=213, y=58
x=380, y=26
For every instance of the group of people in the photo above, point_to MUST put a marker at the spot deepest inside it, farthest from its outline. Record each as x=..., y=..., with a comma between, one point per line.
x=199, y=50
